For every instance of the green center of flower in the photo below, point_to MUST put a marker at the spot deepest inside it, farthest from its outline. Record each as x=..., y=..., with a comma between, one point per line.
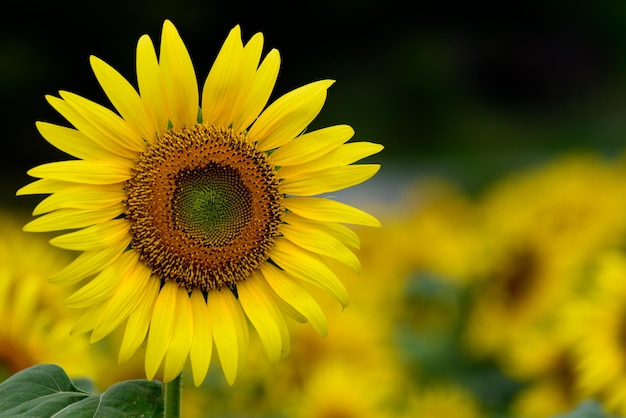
x=204, y=207
x=211, y=204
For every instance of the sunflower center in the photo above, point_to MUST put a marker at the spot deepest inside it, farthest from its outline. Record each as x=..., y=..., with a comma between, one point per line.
x=211, y=204
x=204, y=207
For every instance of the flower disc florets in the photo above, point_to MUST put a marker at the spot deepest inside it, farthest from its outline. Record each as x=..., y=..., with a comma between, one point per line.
x=204, y=207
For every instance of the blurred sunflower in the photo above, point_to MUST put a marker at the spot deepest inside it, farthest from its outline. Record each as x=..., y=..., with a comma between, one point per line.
x=542, y=229
x=36, y=328
x=360, y=336
x=596, y=322
x=193, y=219
x=444, y=218
x=541, y=357
x=444, y=401
x=333, y=391
x=545, y=398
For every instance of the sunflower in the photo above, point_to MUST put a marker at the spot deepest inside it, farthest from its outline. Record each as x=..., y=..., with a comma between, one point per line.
x=596, y=323
x=35, y=325
x=191, y=220
x=542, y=229
x=332, y=391
x=545, y=398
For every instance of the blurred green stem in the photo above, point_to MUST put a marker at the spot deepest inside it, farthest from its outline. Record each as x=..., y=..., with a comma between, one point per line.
x=172, y=395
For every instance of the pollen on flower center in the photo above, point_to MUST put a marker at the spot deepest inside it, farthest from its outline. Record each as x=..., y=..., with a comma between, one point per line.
x=204, y=207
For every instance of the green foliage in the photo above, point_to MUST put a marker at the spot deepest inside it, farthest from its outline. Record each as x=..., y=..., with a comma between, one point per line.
x=46, y=390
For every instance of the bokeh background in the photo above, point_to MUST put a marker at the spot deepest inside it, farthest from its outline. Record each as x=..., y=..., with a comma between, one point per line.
x=502, y=193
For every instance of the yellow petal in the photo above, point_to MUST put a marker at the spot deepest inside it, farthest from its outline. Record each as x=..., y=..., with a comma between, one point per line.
x=249, y=65
x=89, y=262
x=95, y=237
x=43, y=186
x=103, y=286
x=329, y=180
x=264, y=315
x=341, y=156
x=202, y=343
x=106, y=121
x=74, y=142
x=72, y=219
x=326, y=210
x=289, y=115
x=150, y=84
x=81, y=123
x=308, y=267
x=339, y=231
x=319, y=242
x=296, y=296
x=81, y=171
x=139, y=320
x=289, y=310
x=161, y=327
x=312, y=145
x=88, y=319
x=258, y=94
x=124, y=301
x=224, y=83
x=230, y=331
x=88, y=197
x=179, y=78
x=252, y=53
x=125, y=99
x=181, y=338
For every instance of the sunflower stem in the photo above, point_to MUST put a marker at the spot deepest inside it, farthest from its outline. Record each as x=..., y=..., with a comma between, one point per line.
x=172, y=395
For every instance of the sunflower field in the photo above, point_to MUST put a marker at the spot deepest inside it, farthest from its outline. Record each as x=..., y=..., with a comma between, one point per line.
x=344, y=211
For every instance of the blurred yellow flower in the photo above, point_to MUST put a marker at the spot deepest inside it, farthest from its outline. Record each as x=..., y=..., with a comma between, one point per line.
x=361, y=336
x=192, y=222
x=444, y=401
x=596, y=322
x=339, y=389
x=36, y=327
x=542, y=228
x=546, y=398
x=439, y=231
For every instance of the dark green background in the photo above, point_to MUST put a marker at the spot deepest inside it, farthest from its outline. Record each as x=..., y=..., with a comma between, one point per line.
x=464, y=89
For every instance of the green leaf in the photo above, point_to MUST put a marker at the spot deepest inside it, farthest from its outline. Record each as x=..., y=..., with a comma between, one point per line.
x=46, y=390
x=84, y=385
